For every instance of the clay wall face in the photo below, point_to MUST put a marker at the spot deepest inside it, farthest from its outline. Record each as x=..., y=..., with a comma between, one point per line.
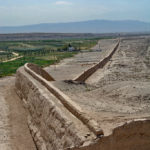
x=50, y=127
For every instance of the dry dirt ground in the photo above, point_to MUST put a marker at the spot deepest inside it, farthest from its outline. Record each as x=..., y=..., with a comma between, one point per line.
x=14, y=132
x=116, y=93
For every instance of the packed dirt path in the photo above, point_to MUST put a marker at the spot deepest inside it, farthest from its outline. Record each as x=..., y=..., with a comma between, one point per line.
x=14, y=131
x=12, y=59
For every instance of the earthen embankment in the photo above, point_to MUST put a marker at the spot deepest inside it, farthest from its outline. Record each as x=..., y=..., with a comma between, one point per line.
x=52, y=121
x=86, y=74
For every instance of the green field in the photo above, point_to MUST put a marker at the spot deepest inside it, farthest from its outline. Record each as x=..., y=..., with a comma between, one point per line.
x=8, y=68
x=41, y=52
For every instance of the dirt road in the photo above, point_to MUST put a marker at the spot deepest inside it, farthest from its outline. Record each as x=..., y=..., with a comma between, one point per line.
x=12, y=59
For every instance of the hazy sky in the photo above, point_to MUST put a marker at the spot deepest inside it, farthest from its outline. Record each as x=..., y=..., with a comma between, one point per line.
x=23, y=12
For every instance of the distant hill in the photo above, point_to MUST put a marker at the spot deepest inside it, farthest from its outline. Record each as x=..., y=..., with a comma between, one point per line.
x=93, y=26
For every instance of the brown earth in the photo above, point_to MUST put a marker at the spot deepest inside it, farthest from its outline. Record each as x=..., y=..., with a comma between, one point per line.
x=14, y=131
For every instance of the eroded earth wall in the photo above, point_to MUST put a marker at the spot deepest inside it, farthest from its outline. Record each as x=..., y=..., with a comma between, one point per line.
x=55, y=121
x=101, y=64
x=51, y=128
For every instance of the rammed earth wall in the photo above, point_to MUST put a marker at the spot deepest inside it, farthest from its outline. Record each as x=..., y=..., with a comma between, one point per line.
x=52, y=124
x=86, y=74
x=51, y=128
x=57, y=123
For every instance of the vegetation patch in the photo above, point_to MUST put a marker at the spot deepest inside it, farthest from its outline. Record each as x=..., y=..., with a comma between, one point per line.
x=9, y=68
x=40, y=52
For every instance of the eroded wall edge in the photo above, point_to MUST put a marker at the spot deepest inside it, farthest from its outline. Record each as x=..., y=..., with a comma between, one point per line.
x=86, y=74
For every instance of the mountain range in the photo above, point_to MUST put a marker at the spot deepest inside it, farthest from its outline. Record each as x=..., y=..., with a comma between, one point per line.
x=92, y=26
